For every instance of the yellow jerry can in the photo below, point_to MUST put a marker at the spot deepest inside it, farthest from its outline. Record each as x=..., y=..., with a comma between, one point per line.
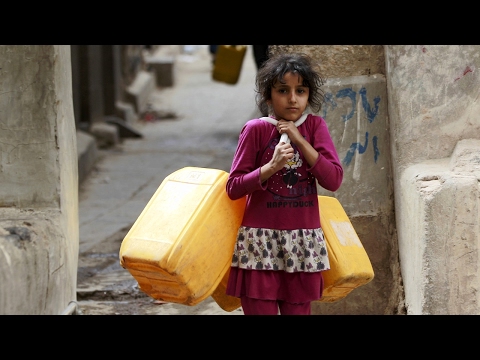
x=180, y=247
x=228, y=63
x=350, y=265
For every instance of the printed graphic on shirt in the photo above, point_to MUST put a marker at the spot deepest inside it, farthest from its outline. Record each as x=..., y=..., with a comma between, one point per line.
x=293, y=181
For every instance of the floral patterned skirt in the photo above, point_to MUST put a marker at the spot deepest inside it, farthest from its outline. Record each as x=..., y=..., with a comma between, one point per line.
x=302, y=250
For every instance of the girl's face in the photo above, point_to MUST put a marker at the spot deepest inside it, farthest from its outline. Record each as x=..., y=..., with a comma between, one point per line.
x=289, y=100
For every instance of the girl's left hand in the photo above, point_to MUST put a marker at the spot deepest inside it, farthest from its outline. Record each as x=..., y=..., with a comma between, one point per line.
x=288, y=127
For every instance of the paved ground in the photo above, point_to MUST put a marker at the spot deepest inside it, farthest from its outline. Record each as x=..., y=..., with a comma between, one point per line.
x=206, y=117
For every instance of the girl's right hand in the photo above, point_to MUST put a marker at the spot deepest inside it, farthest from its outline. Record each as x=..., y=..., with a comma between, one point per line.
x=282, y=153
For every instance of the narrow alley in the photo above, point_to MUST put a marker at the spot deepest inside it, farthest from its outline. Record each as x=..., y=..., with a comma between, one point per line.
x=195, y=123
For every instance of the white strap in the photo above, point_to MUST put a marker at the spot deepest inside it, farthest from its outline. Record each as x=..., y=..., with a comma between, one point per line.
x=284, y=138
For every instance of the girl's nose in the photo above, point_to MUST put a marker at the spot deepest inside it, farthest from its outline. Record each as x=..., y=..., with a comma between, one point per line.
x=293, y=98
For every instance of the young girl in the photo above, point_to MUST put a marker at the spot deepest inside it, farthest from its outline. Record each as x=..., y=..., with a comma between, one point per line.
x=280, y=251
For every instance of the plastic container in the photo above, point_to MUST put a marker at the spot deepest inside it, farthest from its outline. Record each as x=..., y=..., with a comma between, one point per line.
x=228, y=63
x=180, y=247
x=350, y=266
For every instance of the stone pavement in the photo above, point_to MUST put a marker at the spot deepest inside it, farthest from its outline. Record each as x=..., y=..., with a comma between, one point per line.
x=202, y=130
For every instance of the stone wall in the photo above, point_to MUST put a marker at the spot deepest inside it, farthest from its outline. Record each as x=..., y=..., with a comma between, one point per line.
x=39, y=180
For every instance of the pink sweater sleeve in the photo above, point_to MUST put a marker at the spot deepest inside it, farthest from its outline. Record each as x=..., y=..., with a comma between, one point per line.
x=327, y=169
x=244, y=177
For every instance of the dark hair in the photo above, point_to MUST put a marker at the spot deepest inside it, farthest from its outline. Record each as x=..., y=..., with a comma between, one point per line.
x=275, y=69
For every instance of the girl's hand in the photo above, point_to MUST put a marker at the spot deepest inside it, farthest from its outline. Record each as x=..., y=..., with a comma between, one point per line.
x=282, y=153
x=288, y=127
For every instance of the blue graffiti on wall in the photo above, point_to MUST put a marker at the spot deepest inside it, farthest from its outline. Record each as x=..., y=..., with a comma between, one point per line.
x=354, y=147
x=366, y=106
x=371, y=113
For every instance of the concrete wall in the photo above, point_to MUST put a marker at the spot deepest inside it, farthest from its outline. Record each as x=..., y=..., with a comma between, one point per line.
x=356, y=112
x=336, y=61
x=39, y=181
x=433, y=93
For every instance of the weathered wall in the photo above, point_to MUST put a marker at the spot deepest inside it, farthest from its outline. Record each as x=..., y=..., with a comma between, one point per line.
x=337, y=61
x=39, y=181
x=440, y=229
x=356, y=112
x=433, y=93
